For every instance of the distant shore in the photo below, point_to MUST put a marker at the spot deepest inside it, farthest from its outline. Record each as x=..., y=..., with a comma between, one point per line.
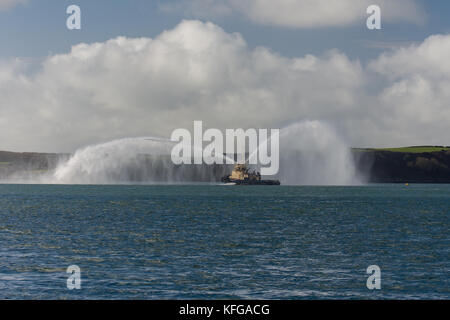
x=419, y=164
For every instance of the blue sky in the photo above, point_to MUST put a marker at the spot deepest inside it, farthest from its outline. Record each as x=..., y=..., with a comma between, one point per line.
x=145, y=68
x=37, y=28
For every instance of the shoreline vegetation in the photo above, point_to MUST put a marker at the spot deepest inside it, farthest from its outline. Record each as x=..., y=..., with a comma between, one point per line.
x=416, y=164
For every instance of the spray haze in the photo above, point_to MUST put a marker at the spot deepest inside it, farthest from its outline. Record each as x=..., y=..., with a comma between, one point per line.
x=311, y=154
x=131, y=160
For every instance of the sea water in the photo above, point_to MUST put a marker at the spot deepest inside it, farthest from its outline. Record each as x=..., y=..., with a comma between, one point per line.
x=221, y=242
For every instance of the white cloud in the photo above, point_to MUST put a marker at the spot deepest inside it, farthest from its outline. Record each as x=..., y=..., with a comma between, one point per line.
x=139, y=87
x=417, y=96
x=301, y=13
x=7, y=4
x=429, y=58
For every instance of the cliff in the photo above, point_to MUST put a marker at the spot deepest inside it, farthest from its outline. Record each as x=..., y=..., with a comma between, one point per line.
x=404, y=165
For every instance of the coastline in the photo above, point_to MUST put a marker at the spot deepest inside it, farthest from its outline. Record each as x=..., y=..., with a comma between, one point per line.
x=399, y=165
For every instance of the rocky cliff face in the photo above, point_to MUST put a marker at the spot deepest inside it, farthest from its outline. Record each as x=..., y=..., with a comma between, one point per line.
x=402, y=167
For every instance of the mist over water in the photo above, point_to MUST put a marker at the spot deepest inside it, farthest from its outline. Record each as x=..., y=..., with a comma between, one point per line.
x=311, y=153
x=131, y=160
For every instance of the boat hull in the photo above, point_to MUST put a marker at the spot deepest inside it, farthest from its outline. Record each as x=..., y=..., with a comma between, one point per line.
x=251, y=182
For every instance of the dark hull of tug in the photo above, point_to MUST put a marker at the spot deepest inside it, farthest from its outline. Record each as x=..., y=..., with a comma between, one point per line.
x=251, y=182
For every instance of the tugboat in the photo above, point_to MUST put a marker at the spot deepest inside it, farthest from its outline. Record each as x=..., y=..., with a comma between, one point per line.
x=241, y=176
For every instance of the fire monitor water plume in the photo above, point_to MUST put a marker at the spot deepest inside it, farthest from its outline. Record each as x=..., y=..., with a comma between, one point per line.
x=311, y=153
x=130, y=160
